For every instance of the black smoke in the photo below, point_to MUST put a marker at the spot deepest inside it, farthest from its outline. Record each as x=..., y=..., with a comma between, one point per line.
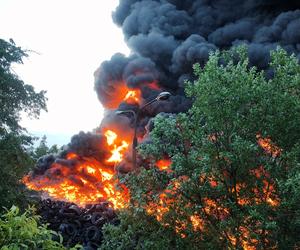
x=168, y=36
x=84, y=145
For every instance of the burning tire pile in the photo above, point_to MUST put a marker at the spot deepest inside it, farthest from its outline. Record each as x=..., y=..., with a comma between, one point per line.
x=77, y=225
x=166, y=38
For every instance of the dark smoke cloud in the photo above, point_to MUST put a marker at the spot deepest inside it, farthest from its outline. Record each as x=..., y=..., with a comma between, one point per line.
x=140, y=71
x=168, y=36
x=194, y=49
x=84, y=145
x=88, y=145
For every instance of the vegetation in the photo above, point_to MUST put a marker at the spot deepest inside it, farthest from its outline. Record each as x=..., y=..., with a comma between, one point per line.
x=230, y=171
x=15, y=97
x=22, y=231
x=234, y=178
x=43, y=149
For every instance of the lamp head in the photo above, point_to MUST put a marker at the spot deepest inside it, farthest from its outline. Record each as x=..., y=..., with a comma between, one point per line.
x=123, y=112
x=163, y=96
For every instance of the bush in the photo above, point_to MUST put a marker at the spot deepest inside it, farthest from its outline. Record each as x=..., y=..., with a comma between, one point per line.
x=233, y=181
x=22, y=231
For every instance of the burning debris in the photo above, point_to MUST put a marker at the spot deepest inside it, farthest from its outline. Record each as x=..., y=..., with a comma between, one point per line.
x=167, y=38
x=83, y=179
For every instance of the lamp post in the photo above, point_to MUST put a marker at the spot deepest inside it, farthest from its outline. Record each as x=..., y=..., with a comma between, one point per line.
x=160, y=97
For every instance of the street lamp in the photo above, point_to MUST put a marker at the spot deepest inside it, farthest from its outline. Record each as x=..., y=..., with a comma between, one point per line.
x=160, y=97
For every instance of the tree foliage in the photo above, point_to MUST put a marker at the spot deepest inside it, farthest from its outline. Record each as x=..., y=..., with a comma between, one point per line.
x=234, y=178
x=15, y=97
x=43, y=149
x=23, y=231
x=15, y=163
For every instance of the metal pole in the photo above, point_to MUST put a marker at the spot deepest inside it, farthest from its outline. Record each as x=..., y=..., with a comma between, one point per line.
x=161, y=96
x=134, y=141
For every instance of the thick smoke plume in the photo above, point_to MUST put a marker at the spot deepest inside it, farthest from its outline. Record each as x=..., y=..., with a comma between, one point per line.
x=166, y=38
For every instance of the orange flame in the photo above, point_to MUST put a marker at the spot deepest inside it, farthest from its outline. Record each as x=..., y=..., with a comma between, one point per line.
x=117, y=152
x=164, y=164
x=268, y=146
x=212, y=207
x=247, y=242
x=121, y=93
x=110, y=137
x=197, y=222
x=71, y=156
x=132, y=96
x=267, y=193
x=87, y=181
x=117, y=155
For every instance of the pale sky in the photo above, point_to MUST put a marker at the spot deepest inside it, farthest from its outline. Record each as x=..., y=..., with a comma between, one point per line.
x=71, y=38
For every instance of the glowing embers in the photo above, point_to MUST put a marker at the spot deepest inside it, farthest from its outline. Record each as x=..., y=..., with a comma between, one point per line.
x=266, y=192
x=268, y=146
x=213, y=207
x=245, y=240
x=81, y=180
x=164, y=164
x=117, y=149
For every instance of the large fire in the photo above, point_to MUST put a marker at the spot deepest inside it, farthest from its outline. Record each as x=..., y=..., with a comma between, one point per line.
x=85, y=180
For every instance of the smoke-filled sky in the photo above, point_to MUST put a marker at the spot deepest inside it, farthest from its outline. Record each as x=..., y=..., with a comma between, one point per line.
x=166, y=37
x=70, y=39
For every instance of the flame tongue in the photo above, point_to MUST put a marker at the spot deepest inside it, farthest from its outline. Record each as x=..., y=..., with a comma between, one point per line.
x=122, y=93
x=132, y=96
x=117, y=151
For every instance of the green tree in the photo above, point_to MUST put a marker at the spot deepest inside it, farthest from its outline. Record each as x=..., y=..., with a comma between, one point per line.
x=22, y=231
x=43, y=149
x=234, y=178
x=15, y=97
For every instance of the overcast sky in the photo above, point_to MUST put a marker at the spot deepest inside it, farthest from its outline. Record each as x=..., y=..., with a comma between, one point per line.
x=71, y=38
